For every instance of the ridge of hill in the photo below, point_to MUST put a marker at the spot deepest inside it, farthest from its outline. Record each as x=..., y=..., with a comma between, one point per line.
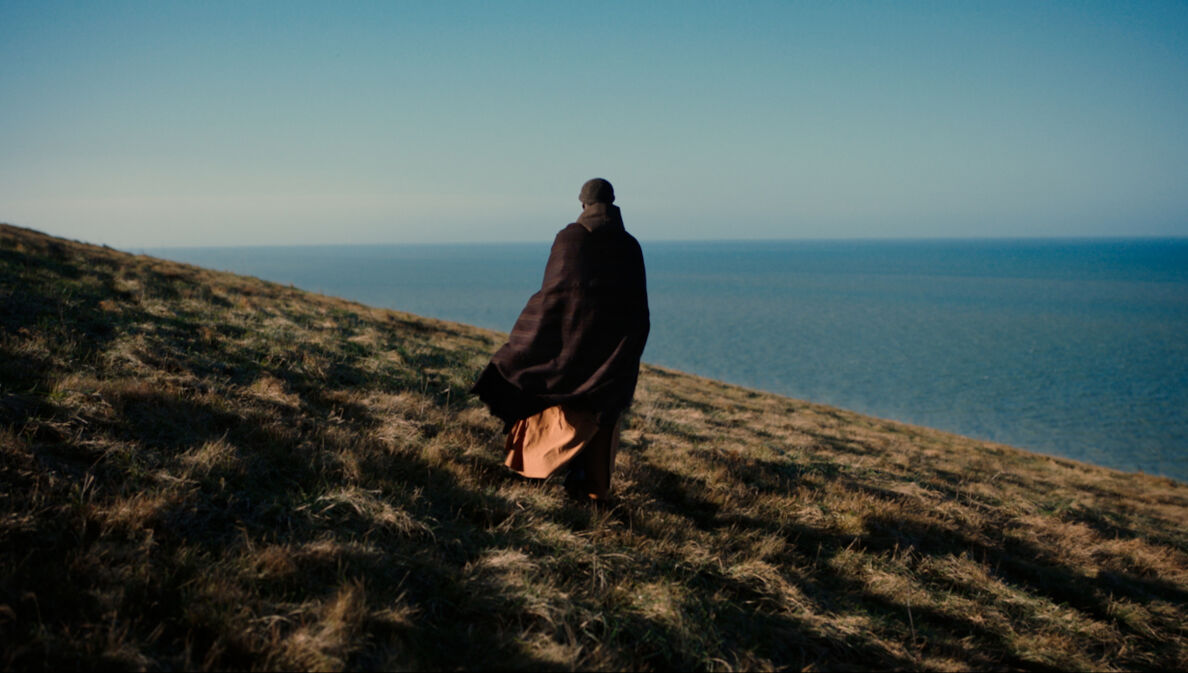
x=200, y=470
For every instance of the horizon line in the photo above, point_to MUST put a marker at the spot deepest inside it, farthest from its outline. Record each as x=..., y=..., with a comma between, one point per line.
x=643, y=240
x=790, y=239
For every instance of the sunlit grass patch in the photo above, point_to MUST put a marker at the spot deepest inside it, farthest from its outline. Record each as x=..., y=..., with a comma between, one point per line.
x=367, y=509
x=328, y=634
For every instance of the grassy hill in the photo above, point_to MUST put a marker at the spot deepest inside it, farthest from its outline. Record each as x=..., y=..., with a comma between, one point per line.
x=205, y=471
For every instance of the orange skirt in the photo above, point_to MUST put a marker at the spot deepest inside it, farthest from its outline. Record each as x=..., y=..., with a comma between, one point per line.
x=538, y=445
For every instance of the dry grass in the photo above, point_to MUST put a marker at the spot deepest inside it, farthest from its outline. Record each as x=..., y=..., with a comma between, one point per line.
x=206, y=471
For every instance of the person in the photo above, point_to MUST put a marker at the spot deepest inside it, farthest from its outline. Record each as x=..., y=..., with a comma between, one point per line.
x=569, y=368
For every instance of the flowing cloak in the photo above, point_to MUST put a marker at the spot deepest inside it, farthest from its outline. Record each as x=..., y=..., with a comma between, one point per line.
x=579, y=339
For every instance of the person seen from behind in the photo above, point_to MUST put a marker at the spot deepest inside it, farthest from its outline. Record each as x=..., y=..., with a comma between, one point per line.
x=569, y=368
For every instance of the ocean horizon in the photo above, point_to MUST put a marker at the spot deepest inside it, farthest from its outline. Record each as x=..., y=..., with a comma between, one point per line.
x=1069, y=347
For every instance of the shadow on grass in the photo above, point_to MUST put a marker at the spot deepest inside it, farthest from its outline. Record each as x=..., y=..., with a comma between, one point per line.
x=262, y=493
x=1029, y=567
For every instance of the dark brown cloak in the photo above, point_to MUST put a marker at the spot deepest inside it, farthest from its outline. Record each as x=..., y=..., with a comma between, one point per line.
x=579, y=339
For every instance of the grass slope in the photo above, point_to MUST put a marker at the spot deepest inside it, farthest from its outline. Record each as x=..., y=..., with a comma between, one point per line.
x=205, y=471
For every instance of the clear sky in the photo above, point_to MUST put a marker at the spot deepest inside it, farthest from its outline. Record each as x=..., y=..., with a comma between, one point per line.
x=141, y=124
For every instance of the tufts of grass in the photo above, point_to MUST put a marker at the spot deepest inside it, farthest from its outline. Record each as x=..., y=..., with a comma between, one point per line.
x=206, y=471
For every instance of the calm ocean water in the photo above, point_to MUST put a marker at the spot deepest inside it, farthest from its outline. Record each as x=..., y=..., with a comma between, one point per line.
x=1077, y=348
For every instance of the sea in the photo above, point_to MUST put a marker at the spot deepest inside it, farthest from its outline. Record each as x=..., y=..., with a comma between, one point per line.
x=1069, y=347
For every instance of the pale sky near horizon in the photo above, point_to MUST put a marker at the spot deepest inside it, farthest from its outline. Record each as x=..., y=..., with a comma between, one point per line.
x=145, y=124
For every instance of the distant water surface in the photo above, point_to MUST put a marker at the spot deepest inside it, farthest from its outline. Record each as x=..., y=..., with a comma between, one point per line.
x=1076, y=348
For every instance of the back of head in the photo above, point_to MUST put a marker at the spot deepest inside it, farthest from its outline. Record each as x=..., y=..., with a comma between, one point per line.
x=596, y=191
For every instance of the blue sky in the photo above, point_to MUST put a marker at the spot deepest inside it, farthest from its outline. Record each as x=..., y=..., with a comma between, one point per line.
x=238, y=123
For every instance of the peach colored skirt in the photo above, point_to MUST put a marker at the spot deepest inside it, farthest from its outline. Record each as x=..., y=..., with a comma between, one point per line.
x=537, y=446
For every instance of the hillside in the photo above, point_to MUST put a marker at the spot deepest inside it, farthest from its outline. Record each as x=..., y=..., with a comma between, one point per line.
x=206, y=471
